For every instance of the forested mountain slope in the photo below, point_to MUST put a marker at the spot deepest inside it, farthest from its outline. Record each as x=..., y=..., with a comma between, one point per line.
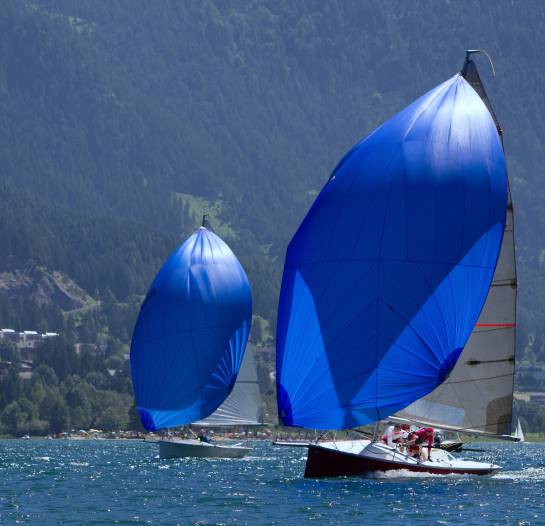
x=120, y=121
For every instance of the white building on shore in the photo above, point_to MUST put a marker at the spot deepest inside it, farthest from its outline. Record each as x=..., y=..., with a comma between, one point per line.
x=26, y=339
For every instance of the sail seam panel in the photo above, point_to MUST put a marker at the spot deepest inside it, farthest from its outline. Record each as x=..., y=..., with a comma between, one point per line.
x=379, y=294
x=339, y=211
x=154, y=340
x=297, y=395
x=309, y=348
x=340, y=384
x=389, y=260
x=378, y=187
x=421, y=310
x=415, y=332
x=412, y=353
x=301, y=347
x=448, y=333
x=309, y=369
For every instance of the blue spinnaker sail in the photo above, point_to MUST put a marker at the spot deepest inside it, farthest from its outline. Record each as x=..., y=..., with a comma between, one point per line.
x=387, y=274
x=191, y=333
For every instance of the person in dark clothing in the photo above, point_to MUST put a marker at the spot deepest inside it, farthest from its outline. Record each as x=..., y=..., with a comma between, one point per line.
x=203, y=438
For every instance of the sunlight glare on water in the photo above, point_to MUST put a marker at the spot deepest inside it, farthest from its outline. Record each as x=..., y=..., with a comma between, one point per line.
x=124, y=482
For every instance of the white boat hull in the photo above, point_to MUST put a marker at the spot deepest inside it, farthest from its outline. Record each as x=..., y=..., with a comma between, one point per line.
x=196, y=449
x=360, y=457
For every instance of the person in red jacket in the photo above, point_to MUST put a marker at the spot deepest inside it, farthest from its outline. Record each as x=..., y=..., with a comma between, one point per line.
x=417, y=439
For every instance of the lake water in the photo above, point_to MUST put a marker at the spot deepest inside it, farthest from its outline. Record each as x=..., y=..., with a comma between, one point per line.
x=124, y=482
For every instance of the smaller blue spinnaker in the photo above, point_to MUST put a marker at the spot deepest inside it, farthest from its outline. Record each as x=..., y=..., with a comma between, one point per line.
x=191, y=333
x=387, y=274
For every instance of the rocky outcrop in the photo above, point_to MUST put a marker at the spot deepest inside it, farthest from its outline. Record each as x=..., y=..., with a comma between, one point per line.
x=42, y=286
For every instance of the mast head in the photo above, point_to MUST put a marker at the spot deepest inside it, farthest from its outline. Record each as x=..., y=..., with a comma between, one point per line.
x=470, y=52
x=204, y=216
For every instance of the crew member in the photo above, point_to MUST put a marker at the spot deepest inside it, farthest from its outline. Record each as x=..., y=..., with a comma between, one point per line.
x=417, y=439
x=202, y=437
x=394, y=435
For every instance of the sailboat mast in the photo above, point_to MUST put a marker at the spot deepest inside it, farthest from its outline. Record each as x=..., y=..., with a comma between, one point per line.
x=471, y=74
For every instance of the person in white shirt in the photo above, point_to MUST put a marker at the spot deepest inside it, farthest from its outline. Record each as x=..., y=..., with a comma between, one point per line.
x=393, y=435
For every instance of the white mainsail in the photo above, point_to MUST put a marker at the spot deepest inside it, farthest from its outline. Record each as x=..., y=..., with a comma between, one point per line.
x=478, y=395
x=243, y=406
x=519, y=433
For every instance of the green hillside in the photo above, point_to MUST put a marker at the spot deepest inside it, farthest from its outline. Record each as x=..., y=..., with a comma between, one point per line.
x=121, y=122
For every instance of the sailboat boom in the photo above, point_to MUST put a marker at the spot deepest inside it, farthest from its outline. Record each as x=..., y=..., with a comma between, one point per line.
x=446, y=427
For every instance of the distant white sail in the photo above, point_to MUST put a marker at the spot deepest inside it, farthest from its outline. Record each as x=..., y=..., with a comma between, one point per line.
x=478, y=395
x=518, y=433
x=243, y=406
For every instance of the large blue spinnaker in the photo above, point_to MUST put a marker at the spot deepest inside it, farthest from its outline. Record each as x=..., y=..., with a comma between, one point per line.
x=388, y=272
x=191, y=333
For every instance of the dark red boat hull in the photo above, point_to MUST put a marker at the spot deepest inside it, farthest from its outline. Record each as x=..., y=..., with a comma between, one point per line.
x=326, y=462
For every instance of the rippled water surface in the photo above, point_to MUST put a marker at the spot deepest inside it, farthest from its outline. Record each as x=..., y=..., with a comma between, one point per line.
x=124, y=482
